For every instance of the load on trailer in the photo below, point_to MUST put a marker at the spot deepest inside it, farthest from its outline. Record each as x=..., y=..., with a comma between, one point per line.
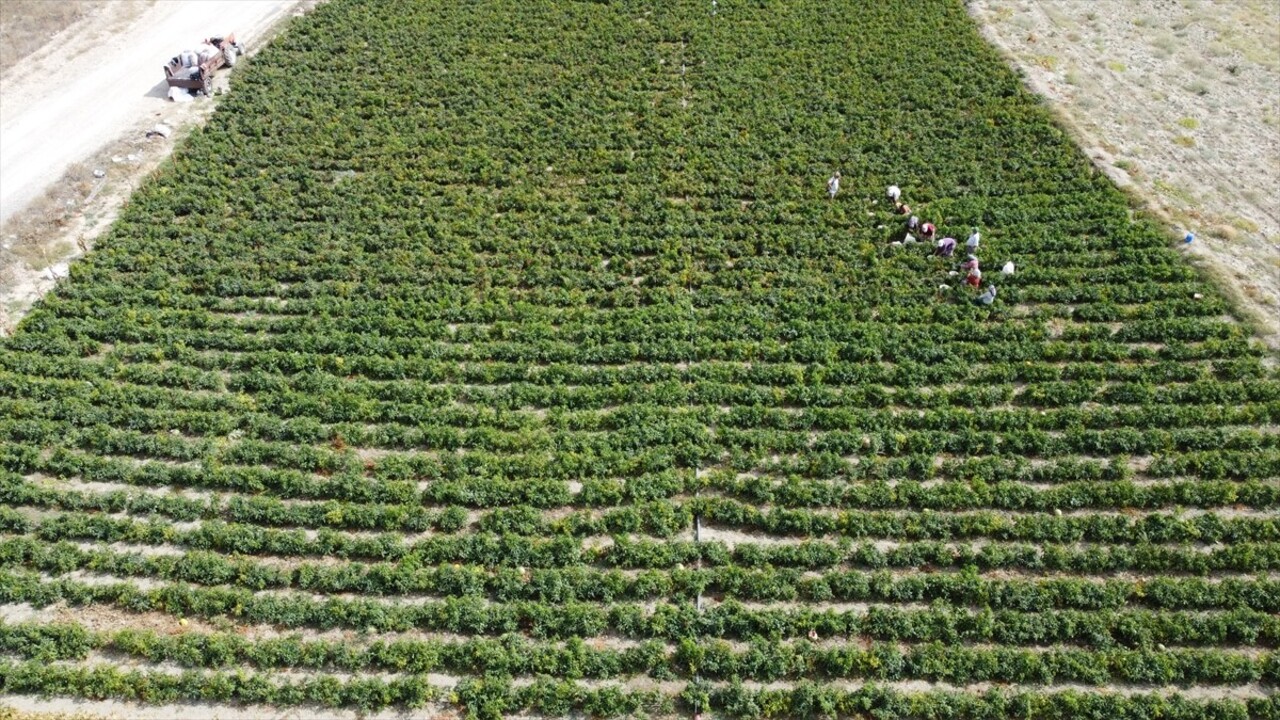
x=193, y=69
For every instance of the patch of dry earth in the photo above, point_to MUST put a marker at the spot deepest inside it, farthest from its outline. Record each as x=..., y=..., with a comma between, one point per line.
x=1179, y=102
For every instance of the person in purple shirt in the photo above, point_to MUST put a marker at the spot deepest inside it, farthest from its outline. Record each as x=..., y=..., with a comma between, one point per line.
x=946, y=246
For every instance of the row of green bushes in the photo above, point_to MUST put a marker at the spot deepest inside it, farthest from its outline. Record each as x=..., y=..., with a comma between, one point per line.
x=414, y=575
x=574, y=659
x=491, y=698
x=472, y=614
x=660, y=518
x=494, y=550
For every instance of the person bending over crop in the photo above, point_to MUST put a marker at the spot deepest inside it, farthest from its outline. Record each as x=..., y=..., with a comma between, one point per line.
x=946, y=246
x=970, y=263
x=913, y=224
x=927, y=230
x=987, y=297
x=894, y=194
x=974, y=278
x=972, y=243
x=833, y=186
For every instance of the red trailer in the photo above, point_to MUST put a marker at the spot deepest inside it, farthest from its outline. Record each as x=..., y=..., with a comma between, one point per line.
x=194, y=71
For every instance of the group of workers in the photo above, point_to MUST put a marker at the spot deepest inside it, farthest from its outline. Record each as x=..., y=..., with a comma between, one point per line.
x=944, y=247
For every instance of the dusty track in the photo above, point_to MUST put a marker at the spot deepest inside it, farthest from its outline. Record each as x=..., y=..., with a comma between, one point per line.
x=94, y=82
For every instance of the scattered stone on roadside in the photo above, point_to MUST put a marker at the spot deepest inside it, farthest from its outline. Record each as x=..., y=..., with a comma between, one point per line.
x=99, y=173
x=57, y=271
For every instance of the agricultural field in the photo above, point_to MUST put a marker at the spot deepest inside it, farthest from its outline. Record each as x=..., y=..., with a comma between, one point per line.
x=509, y=358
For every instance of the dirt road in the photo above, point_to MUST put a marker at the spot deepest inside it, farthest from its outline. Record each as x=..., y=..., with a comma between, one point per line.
x=109, y=89
x=101, y=78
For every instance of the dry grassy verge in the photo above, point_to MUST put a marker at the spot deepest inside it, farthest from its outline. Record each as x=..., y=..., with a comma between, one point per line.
x=1177, y=101
x=26, y=25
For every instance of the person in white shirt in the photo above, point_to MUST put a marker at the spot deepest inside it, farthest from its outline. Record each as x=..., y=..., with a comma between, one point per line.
x=833, y=186
x=894, y=194
x=972, y=243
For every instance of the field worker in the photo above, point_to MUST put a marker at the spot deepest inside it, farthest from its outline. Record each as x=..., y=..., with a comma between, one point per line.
x=972, y=243
x=927, y=230
x=974, y=278
x=902, y=209
x=894, y=194
x=970, y=263
x=833, y=186
x=987, y=297
x=913, y=224
x=946, y=246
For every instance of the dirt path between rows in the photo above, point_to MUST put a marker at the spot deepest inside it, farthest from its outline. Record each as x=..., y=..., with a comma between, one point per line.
x=83, y=103
x=1177, y=101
